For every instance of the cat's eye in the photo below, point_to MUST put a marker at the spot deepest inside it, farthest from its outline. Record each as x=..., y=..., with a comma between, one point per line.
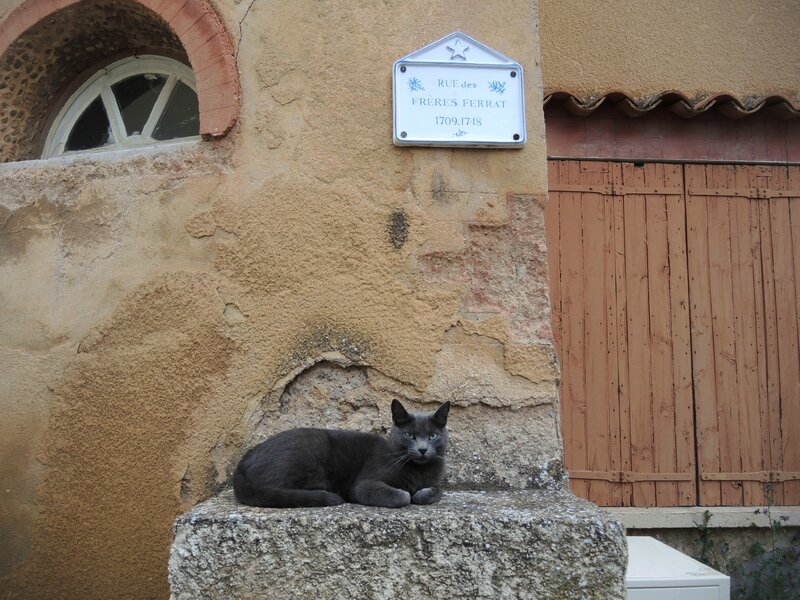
x=410, y=436
x=433, y=436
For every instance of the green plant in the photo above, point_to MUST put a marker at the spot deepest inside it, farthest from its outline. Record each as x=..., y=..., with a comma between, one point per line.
x=706, y=542
x=770, y=572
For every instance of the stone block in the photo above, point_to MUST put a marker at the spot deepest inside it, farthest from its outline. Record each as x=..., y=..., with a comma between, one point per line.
x=536, y=544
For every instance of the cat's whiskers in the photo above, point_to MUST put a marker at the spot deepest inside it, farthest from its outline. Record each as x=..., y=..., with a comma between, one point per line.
x=398, y=462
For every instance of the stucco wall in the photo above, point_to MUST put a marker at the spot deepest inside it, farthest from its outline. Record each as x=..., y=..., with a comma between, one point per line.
x=157, y=305
x=739, y=47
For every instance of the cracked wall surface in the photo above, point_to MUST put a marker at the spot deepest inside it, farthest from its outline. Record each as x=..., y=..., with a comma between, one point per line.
x=164, y=309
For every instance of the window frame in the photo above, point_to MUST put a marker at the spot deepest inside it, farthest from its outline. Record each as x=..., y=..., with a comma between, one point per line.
x=100, y=84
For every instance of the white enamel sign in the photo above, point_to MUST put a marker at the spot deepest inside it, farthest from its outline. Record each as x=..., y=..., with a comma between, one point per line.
x=458, y=92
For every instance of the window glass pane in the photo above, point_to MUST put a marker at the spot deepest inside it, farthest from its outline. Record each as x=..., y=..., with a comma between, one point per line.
x=181, y=115
x=135, y=97
x=92, y=129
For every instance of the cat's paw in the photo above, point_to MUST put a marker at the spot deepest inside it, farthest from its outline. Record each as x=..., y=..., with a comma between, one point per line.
x=426, y=496
x=397, y=499
x=406, y=498
x=331, y=499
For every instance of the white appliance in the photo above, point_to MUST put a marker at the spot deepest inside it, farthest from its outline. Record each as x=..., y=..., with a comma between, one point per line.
x=659, y=572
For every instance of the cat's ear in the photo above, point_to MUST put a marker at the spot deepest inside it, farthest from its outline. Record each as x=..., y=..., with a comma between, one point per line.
x=400, y=415
x=440, y=416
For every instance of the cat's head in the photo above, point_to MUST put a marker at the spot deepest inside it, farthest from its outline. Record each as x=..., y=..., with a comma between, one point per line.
x=422, y=436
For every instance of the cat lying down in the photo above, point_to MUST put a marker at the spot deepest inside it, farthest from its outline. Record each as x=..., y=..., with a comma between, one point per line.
x=326, y=467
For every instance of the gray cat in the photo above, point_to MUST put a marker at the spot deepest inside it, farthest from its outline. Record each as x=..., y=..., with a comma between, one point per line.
x=326, y=467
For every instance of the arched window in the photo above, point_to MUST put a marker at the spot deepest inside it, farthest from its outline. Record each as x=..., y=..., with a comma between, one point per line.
x=137, y=101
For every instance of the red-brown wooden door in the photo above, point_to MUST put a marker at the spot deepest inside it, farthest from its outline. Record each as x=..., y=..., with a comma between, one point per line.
x=667, y=353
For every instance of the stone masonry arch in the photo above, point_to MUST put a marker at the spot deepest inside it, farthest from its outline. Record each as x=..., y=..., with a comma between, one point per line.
x=190, y=27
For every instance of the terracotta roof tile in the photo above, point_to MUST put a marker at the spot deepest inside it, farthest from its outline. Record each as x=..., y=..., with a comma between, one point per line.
x=727, y=104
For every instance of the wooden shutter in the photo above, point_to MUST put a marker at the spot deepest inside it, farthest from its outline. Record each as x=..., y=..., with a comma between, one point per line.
x=744, y=265
x=618, y=271
x=676, y=312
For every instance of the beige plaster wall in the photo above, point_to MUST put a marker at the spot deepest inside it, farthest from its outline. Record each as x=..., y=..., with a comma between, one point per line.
x=739, y=47
x=157, y=305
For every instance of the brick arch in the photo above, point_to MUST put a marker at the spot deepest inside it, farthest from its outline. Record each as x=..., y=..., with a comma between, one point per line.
x=202, y=35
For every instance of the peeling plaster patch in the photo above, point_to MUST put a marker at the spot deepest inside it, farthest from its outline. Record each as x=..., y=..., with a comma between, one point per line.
x=387, y=386
x=90, y=342
x=232, y=314
x=535, y=362
x=327, y=338
x=201, y=225
x=22, y=225
x=291, y=86
x=504, y=270
x=67, y=176
x=271, y=126
x=85, y=222
x=470, y=371
x=89, y=222
x=487, y=324
x=398, y=228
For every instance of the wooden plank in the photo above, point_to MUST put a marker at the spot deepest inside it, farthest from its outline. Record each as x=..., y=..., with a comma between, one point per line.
x=649, y=190
x=572, y=302
x=788, y=351
x=771, y=353
x=581, y=188
x=760, y=324
x=630, y=476
x=747, y=391
x=746, y=192
x=557, y=172
x=621, y=310
x=595, y=183
x=724, y=191
x=761, y=476
x=663, y=409
x=642, y=444
x=702, y=335
x=612, y=369
x=553, y=235
x=681, y=338
x=719, y=246
x=793, y=183
x=552, y=214
x=594, y=347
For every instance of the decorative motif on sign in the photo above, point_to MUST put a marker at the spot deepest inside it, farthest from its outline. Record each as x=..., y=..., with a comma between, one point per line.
x=497, y=86
x=457, y=50
x=415, y=85
x=460, y=133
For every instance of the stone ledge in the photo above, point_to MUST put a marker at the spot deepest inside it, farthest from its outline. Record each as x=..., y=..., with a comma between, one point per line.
x=691, y=517
x=537, y=544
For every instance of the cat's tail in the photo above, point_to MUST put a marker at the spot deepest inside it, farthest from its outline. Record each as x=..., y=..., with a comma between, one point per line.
x=247, y=493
